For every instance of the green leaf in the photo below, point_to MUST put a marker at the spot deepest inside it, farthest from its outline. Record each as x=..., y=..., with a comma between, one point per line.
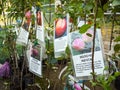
x=93, y=83
x=106, y=68
x=100, y=13
x=110, y=79
x=65, y=75
x=117, y=39
x=100, y=79
x=116, y=2
x=89, y=6
x=117, y=74
x=117, y=48
x=84, y=28
x=105, y=7
x=67, y=51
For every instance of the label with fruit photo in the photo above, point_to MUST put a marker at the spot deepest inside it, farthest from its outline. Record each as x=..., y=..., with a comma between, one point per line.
x=40, y=27
x=60, y=35
x=22, y=37
x=81, y=49
x=35, y=59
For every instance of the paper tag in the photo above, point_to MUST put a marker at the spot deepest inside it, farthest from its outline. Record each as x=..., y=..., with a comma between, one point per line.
x=22, y=37
x=81, y=49
x=35, y=66
x=40, y=27
x=35, y=61
x=60, y=36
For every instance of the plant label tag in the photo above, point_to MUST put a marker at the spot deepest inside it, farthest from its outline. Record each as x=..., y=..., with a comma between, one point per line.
x=22, y=37
x=60, y=36
x=81, y=49
x=35, y=61
x=35, y=66
x=40, y=27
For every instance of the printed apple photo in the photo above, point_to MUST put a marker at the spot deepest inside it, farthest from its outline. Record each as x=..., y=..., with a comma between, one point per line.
x=82, y=43
x=27, y=19
x=39, y=19
x=60, y=27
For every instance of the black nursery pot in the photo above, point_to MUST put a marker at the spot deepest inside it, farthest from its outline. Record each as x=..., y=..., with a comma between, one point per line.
x=117, y=83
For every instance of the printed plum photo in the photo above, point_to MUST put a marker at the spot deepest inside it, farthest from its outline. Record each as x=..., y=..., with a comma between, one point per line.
x=82, y=43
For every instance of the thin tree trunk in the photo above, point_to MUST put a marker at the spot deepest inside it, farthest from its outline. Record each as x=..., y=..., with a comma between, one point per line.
x=111, y=37
x=4, y=19
x=49, y=57
x=93, y=48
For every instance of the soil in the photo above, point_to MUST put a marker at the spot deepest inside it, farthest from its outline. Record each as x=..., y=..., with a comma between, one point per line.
x=52, y=76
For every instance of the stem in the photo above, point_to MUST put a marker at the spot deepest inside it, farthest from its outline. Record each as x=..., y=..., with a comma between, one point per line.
x=50, y=14
x=3, y=13
x=23, y=66
x=112, y=30
x=48, y=69
x=95, y=16
x=85, y=11
x=46, y=19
